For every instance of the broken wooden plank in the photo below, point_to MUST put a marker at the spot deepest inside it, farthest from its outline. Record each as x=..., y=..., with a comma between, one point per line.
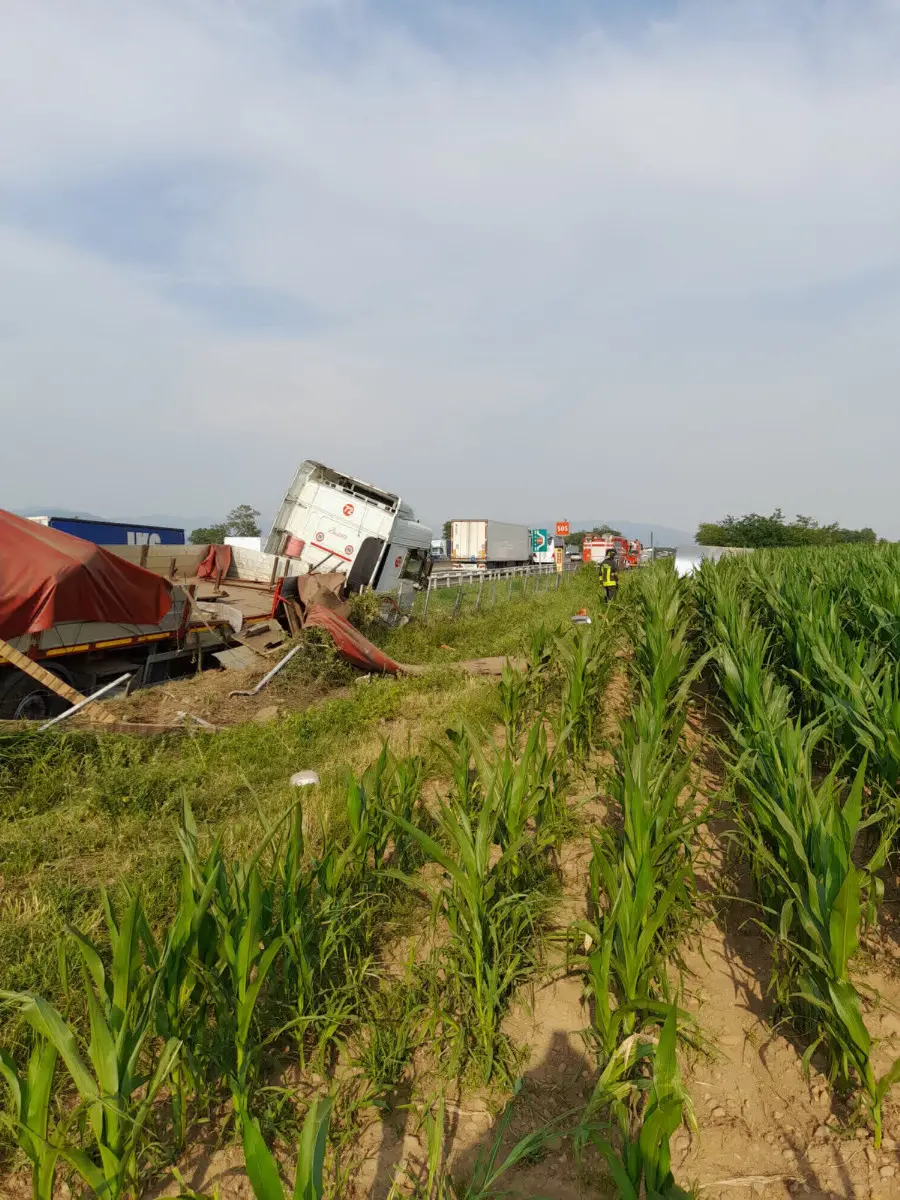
x=50, y=681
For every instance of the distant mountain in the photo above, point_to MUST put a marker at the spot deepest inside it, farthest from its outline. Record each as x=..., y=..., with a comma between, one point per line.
x=37, y=511
x=663, y=535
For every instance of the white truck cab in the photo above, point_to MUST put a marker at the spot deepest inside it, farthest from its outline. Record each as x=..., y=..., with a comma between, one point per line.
x=334, y=522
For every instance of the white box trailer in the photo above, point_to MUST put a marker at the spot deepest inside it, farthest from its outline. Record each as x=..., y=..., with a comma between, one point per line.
x=489, y=543
x=334, y=522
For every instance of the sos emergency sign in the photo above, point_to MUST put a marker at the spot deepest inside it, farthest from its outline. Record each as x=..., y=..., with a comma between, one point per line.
x=562, y=528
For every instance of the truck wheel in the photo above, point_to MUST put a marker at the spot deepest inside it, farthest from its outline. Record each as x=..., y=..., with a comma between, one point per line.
x=28, y=700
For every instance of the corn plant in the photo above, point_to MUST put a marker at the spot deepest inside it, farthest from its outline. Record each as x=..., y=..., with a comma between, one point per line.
x=804, y=840
x=247, y=944
x=585, y=658
x=662, y=651
x=513, y=692
x=491, y=927
x=325, y=924
x=541, y=666
x=30, y=1122
x=187, y=956
x=388, y=787
x=262, y=1169
x=641, y=1164
x=526, y=789
x=640, y=889
x=248, y=951
x=117, y=1096
x=457, y=750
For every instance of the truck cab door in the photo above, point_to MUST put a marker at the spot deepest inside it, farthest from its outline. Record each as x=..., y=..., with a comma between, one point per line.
x=365, y=564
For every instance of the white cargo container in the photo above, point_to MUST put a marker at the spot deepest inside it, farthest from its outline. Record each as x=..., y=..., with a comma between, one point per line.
x=334, y=522
x=489, y=543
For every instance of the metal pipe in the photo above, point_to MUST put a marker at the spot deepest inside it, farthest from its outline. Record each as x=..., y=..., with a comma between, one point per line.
x=283, y=662
x=64, y=716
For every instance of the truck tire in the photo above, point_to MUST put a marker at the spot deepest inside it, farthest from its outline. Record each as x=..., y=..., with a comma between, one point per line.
x=24, y=699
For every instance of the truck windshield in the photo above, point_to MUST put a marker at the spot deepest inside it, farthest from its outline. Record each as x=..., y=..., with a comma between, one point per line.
x=416, y=562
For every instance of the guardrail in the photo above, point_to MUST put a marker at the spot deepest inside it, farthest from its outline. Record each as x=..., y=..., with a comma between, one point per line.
x=486, y=586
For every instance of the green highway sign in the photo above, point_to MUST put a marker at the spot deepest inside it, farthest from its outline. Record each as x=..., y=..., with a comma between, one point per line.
x=539, y=541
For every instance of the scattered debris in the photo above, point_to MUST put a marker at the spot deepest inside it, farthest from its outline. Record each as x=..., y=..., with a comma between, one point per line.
x=266, y=679
x=304, y=778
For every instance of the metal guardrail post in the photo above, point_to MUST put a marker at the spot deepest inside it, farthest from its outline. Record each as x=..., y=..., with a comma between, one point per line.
x=494, y=592
x=427, y=598
x=480, y=590
x=458, y=601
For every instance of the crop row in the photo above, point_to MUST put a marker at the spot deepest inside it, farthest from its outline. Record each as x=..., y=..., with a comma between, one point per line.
x=816, y=800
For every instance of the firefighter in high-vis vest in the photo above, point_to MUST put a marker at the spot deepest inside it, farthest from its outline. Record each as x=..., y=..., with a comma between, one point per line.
x=609, y=576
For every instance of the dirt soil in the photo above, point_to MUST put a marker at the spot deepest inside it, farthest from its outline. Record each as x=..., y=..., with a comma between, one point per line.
x=206, y=695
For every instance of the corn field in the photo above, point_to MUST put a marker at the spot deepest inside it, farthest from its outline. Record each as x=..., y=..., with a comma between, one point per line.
x=804, y=646
x=277, y=962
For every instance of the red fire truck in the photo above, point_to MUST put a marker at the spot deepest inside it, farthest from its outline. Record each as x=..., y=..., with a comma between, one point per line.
x=627, y=552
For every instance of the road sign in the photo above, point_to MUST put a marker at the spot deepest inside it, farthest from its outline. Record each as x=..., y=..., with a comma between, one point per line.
x=559, y=555
x=562, y=528
x=539, y=541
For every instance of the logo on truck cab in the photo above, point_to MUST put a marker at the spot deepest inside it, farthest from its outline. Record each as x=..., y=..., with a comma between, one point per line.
x=348, y=510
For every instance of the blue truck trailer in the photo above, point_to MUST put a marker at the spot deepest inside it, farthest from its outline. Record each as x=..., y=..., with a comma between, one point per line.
x=114, y=533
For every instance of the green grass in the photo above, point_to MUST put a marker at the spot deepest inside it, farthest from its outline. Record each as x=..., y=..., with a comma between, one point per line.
x=505, y=628
x=78, y=811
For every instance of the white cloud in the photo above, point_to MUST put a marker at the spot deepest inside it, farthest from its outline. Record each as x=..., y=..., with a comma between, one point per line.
x=681, y=237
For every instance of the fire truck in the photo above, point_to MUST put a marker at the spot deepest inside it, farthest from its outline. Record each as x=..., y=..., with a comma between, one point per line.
x=627, y=552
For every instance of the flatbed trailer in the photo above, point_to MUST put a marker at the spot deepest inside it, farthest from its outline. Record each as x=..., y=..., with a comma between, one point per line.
x=209, y=615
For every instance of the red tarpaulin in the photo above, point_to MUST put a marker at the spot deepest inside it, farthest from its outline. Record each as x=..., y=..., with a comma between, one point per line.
x=47, y=577
x=349, y=641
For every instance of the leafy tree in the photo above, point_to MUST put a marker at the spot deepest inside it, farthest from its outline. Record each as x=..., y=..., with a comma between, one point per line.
x=208, y=535
x=756, y=531
x=240, y=522
x=445, y=531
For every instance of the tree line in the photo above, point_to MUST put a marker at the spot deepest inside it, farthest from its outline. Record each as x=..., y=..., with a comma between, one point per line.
x=240, y=522
x=756, y=531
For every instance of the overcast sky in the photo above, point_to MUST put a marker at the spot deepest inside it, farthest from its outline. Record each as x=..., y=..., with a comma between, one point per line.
x=511, y=258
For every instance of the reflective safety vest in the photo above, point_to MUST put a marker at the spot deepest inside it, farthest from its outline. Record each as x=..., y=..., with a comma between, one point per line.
x=606, y=575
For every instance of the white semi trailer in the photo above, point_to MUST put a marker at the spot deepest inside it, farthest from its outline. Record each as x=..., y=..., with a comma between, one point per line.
x=486, y=543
